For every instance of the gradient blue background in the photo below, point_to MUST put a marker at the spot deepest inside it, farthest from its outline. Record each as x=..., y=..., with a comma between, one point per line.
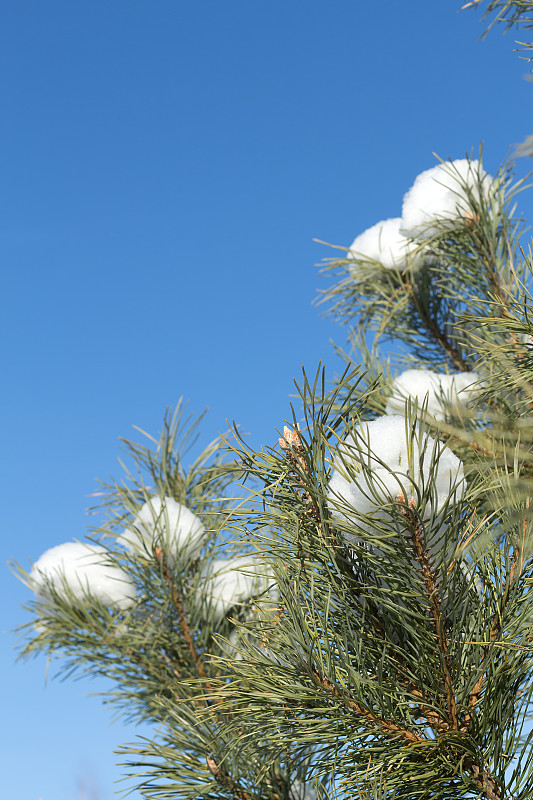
x=165, y=166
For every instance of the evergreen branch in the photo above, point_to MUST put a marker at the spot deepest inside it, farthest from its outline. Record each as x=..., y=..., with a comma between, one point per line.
x=181, y=614
x=388, y=728
x=504, y=600
x=417, y=537
x=223, y=777
x=510, y=12
x=433, y=328
x=292, y=446
x=495, y=630
x=485, y=781
x=496, y=281
x=437, y=722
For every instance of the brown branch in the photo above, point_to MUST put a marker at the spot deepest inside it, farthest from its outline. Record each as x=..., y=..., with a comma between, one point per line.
x=292, y=446
x=222, y=776
x=431, y=326
x=387, y=727
x=410, y=515
x=468, y=442
x=486, y=782
x=433, y=718
x=184, y=625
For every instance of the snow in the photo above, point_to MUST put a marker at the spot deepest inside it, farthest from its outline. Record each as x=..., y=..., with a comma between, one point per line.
x=304, y=791
x=443, y=391
x=384, y=242
x=383, y=446
x=164, y=520
x=84, y=569
x=230, y=582
x=442, y=193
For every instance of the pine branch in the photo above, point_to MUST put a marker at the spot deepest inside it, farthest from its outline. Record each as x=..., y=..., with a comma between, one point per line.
x=224, y=778
x=486, y=782
x=430, y=579
x=293, y=448
x=431, y=326
x=509, y=12
x=376, y=724
x=181, y=614
x=495, y=630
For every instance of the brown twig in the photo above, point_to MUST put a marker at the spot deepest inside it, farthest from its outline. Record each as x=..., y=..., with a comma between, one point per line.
x=387, y=727
x=410, y=515
x=432, y=327
x=222, y=776
x=485, y=781
x=184, y=625
x=292, y=446
x=469, y=443
x=432, y=717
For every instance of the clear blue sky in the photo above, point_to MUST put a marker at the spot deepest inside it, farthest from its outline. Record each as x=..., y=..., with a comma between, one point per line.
x=165, y=167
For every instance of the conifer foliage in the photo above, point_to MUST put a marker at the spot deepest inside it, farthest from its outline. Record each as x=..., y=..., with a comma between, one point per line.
x=346, y=613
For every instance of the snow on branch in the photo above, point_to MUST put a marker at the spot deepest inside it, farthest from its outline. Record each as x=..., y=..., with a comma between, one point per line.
x=444, y=393
x=445, y=193
x=162, y=521
x=232, y=581
x=381, y=460
x=384, y=242
x=440, y=197
x=81, y=570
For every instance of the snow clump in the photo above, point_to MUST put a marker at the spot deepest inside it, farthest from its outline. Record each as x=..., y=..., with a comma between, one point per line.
x=85, y=571
x=232, y=581
x=442, y=391
x=383, y=447
x=443, y=193
x=164, y=521
x=384, y=242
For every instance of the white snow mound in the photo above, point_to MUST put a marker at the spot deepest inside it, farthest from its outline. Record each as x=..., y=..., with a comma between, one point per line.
x=232, y=581
x=162, y=520
x=444, y=392
x=383, y=242
x=383, y=445
x=84, y=570
x=443, y=193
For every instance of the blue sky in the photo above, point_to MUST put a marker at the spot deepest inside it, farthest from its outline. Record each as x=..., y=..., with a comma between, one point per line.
x=165, y=166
